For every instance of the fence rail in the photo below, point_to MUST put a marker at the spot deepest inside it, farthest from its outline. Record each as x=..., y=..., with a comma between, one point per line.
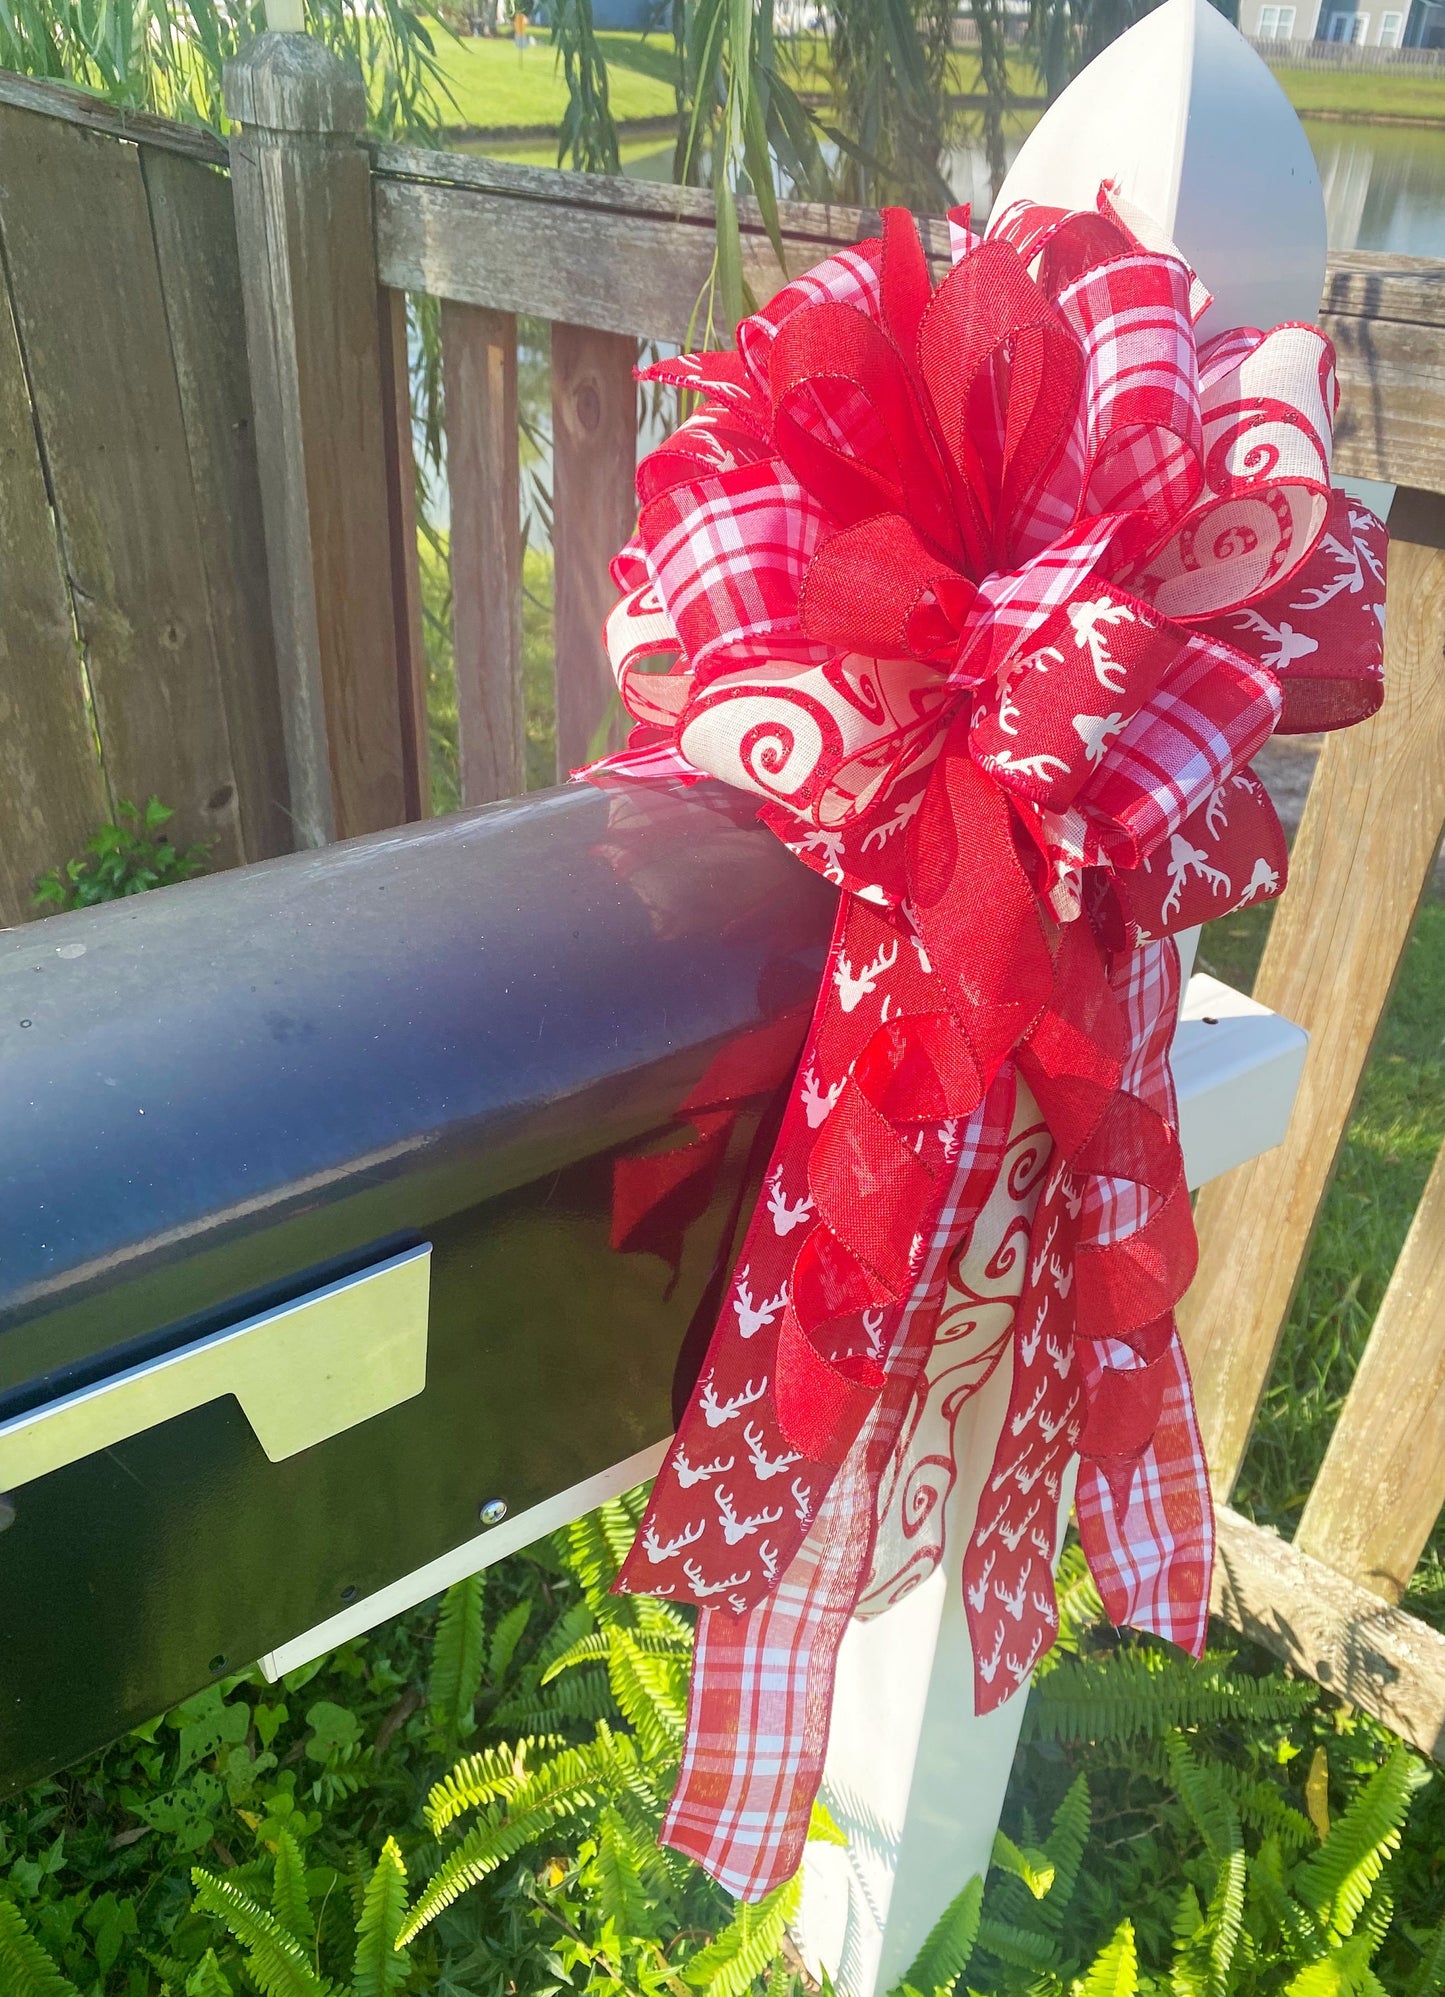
x=234, y=356
x=1318, y=54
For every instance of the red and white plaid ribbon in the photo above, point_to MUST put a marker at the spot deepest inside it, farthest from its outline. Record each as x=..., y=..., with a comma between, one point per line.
x=988, y=590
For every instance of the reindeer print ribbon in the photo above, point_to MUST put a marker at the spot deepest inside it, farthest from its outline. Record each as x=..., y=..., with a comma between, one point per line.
x=988, y=591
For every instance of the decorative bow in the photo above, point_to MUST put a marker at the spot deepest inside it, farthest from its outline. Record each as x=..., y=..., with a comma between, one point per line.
x=989, y=591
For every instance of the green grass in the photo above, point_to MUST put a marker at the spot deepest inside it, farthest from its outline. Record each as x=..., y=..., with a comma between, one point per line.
x=496, y=87
x=1389, y=1148
x=1366, y=94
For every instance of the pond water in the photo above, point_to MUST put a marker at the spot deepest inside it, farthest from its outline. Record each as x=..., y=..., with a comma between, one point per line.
x=1384, y=184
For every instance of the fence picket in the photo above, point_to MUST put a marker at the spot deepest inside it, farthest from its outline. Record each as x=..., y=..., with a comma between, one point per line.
x=405, y=563
x=77, y=228
x=1363, y=854
x=1390, y=1437
x=594, y=453
x=52, y=796
x=195, y=238
x=479, y=362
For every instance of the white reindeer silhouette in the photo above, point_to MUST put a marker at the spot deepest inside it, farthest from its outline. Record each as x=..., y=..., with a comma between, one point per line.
x=802, y=1500
x=1185, y=860
x=658, y=1550
x=1040, y=765
x=873, y=1332
x=765, y=1466
x=786, y=1215
x=1029, y=1343
x=818, y=1101
x=1011, y=1535
x=854, y=986
x=716, y=1412
x=1090, y=622
x=702, y=1589
x=753, y=1317
x=988, y=1666
x=977, y=1592
x=1288, y=643
x=735, y=1528
x=1013, y=1598
x=1063, y=1278
x=688, y=1474
x=1096, y=732
x=1264, y=880
x=1040, y=1261
x=881, y=833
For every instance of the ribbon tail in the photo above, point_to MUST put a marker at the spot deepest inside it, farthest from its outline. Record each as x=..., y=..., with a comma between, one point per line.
x=1152, y=1556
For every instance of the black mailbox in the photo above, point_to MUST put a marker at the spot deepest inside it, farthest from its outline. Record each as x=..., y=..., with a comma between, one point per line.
x=308, y=1235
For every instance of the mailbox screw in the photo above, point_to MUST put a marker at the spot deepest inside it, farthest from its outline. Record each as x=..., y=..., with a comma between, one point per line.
x=493, y=1511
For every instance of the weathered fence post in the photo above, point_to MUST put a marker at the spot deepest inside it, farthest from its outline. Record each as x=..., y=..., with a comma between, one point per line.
x=302, y=189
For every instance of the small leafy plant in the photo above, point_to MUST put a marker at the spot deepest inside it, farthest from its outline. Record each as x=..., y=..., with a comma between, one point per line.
x=126, y=857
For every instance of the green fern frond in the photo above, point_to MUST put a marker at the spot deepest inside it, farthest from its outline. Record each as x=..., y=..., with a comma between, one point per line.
x=1202, y=1794
x=289, y=1902
x=823, y=1828
x=1335, y=1881
x=620, y=1894
x=1065, y=1843
x=381, y=1967
x=26, y=1970
x=1146, y=1693
x=1429, y=1977
x=593, y=1549
x=1342, y=1971
x=945, y=1954
x=1263, y=1809
x=1020, y=1948
x=570, y=1782
x=1114, y=1972
x=208, y=1979
x=458, y=1658
x=584, y=1694
x=1080, y=1605
x=1224, y=1922
x=505, y=1638
x=596, y=1646
x=651, y=1693
x=569, y=1628
x=276, y=1963
x=481, y=1778
x=1035, y=1868
x=747, y=1945
x=781, y=1980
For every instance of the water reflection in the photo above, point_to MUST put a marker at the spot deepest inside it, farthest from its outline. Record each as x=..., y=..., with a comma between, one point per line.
x=1384, y=185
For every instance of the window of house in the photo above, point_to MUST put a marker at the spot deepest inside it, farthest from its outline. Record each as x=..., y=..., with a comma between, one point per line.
x=1276, y=24
x=1349, y=27
x=1391, y=28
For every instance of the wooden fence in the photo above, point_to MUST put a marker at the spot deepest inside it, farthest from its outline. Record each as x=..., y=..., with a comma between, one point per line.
x=149, y=642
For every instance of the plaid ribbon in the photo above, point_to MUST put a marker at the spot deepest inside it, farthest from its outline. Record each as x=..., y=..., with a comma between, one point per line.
x=981, y=589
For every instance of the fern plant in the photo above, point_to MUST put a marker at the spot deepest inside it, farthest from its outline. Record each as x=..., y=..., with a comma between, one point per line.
x=620, y=1655
x=283, y=1943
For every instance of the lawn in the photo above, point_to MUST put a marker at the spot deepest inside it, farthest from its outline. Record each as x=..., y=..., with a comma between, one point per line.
x=1366, y=94
x=495, y=88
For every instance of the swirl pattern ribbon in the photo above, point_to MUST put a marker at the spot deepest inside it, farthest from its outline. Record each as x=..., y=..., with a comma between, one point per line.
x=988, y=590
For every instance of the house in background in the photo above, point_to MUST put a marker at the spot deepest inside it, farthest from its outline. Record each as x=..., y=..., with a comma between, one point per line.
x=1403, y=24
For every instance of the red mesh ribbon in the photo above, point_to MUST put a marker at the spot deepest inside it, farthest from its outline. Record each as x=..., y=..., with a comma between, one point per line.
x=989, y=591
